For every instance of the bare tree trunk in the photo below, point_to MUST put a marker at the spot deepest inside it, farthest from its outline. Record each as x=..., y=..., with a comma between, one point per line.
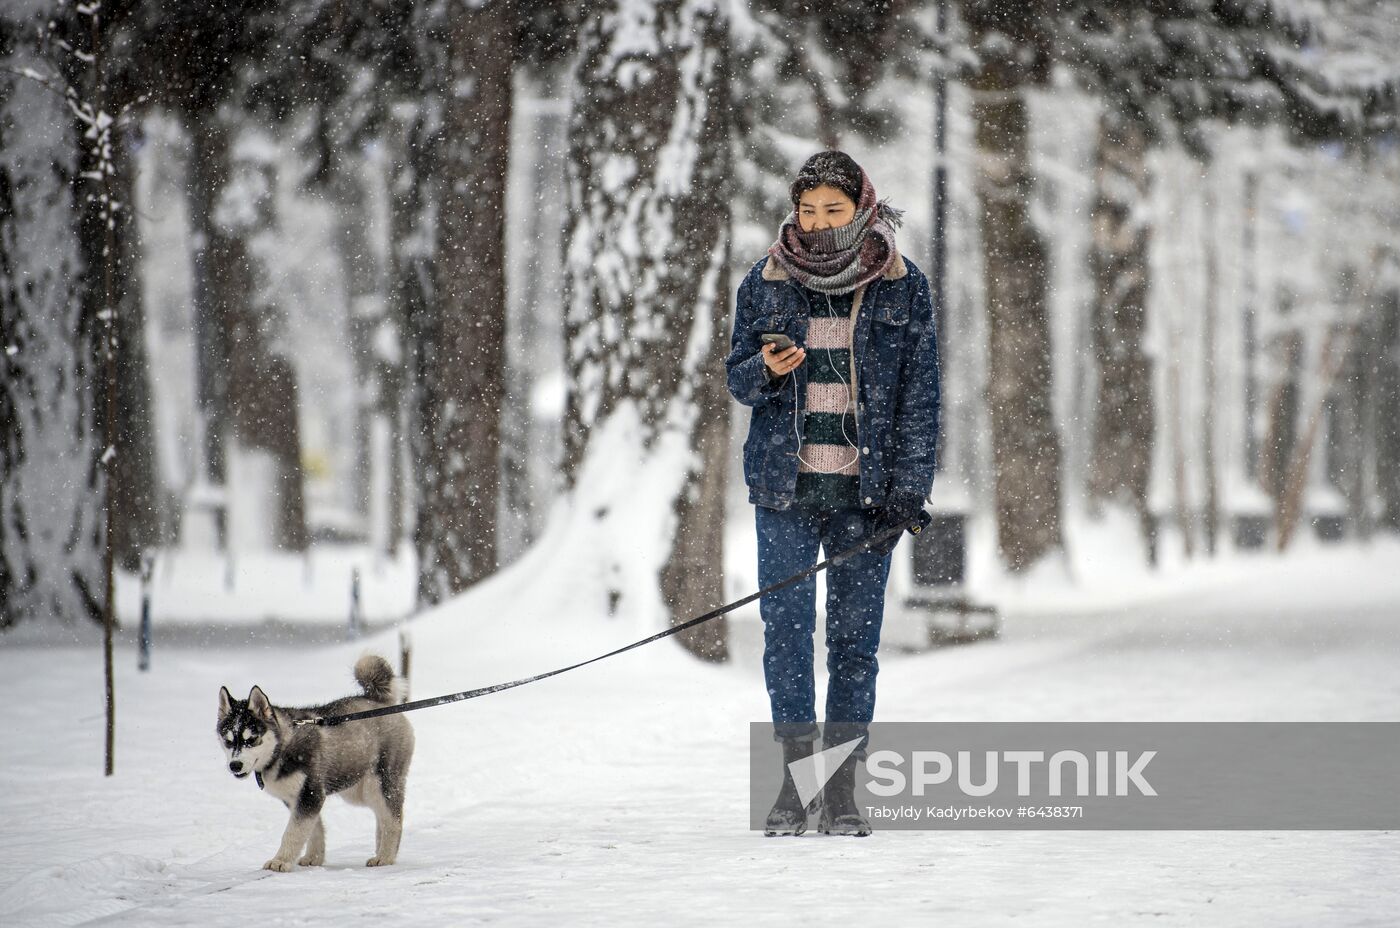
x=461, y=482
x=246, y=394
x=1121, y=463
x=1184, y=523
x=647, y=308
x=1357, y=447
x=278, y=384
x=1282, y=415
x=1290, y=507
x=1336, y=355
x=262, y=393
x=691, y=580
x=1384, y=400
x=416, y=291
x=1025, y=443
x=214, y=265
x=140, y=507
x=1211, y=309
x=103, y=255
x=1351, y=442
x=103, y=217
x=410, y=293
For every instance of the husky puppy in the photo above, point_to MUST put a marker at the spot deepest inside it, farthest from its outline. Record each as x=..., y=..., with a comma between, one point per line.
x=366, y=762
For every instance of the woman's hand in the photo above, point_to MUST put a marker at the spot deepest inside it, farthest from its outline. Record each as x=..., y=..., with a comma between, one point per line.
x=780, y=362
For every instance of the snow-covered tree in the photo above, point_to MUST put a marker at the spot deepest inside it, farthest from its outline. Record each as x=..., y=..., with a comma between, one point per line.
x=262, y=443
x=192, y=59
x=1163, y=71
x=1013, y=47
x=466, y=370
x=357, y=71
x=56, y=37
x=647, y=255
x=1158, y=66
x=457, y=333
x=70, y=80
x=50, y=505
x=433, y=82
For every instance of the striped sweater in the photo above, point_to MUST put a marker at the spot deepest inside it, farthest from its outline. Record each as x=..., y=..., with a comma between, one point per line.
x=828, y=468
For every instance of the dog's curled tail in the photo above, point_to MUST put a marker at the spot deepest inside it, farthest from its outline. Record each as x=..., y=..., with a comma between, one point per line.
x=377, y=678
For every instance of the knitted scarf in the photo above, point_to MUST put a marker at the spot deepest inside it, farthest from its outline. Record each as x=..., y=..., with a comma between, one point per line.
x=840, y=260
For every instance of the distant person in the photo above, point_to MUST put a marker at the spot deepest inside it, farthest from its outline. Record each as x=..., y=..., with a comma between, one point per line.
x=840, y=446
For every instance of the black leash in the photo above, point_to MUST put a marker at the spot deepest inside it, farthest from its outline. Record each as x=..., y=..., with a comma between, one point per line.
x=915, y=525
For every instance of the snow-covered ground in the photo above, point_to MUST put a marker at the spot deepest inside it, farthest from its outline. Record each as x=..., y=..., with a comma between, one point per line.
x=618, y=793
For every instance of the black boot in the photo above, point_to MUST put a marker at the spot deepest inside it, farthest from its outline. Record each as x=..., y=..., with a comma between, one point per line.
x=840, y=815
x=788, y=815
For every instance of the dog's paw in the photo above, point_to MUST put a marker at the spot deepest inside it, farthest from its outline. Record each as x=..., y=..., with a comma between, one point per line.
x=278, y=864
x=312, y=860
x=379, y=862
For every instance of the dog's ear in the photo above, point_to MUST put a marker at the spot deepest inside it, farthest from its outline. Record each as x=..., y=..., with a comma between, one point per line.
x=225, y=702
x=259, y=705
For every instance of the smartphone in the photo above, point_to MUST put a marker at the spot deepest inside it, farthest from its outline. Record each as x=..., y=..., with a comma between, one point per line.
x=776, y=338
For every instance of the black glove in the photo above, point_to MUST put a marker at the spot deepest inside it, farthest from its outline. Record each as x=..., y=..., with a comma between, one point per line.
x=901, y=508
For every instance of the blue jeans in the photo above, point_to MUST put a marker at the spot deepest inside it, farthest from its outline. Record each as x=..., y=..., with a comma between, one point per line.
x=855, y=608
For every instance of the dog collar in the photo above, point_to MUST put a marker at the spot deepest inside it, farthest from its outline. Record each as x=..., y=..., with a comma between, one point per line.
x=276, y=756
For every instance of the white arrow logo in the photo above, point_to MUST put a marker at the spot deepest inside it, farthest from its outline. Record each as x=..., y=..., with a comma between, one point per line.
x=810, y=774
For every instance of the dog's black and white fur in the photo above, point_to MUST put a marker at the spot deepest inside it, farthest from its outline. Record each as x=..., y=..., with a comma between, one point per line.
x=365, y=762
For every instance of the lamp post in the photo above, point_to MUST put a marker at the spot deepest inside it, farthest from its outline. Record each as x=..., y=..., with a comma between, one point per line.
x=939, y=552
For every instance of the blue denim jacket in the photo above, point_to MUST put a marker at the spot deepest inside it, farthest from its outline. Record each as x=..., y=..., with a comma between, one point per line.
x=896, y=372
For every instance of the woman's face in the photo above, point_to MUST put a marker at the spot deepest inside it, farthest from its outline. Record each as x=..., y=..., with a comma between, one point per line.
x=824, y=207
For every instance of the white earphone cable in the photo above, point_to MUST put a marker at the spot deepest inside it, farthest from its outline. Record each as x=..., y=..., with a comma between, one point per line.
x=845, y=392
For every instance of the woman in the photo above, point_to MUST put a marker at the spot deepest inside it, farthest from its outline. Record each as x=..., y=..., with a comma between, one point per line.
x=840, y=446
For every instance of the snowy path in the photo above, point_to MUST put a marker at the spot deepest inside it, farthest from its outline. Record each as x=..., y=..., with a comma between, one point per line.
x=617, y=793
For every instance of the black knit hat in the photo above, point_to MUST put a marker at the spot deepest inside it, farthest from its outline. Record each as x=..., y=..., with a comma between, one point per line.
x=830, y=168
